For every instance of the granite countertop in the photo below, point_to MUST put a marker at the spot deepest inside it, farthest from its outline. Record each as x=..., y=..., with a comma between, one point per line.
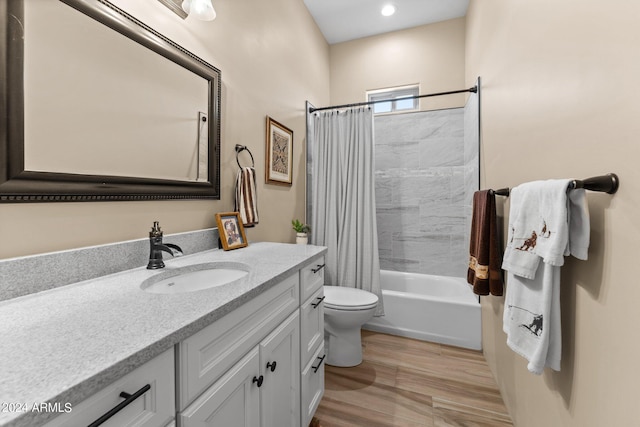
x=64, y=344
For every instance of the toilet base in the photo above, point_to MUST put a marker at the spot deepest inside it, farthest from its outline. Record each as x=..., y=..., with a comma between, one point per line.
x=344, y=350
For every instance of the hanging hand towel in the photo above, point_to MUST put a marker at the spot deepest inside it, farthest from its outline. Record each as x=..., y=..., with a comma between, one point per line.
x=531, y=318
x=579, y=225
x=544, y=224
x=538, y=226
x=247, y=196
x=484, y=272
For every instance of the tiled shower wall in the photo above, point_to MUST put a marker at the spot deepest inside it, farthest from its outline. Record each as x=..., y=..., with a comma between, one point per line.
x=426, y=172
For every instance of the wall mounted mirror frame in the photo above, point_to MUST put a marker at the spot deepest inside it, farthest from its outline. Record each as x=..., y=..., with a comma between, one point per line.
x=20, y=185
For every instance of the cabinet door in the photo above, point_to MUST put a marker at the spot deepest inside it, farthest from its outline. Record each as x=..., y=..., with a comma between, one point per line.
x=280, y=364
x=232, y=401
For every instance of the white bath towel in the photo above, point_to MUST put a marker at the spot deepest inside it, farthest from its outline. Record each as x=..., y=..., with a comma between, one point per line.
x=544, y=225
x=531, y=318
x=579, y=225
x=538, y=226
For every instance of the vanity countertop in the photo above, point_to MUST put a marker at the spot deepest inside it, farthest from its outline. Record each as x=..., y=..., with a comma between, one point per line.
x=62, y=345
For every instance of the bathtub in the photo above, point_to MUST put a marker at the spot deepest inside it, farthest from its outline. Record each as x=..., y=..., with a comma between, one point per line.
x=430, y=308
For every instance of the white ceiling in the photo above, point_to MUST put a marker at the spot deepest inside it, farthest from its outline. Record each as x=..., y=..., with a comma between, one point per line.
x=342, y=20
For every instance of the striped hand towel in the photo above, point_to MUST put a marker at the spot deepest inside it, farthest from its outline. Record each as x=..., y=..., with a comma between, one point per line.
x=247, y=196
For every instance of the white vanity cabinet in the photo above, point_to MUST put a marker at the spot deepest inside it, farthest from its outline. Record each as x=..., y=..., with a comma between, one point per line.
x=247, y=354
x=144, y=397
x=262, y=389
x=247, y=363
x=311, y=338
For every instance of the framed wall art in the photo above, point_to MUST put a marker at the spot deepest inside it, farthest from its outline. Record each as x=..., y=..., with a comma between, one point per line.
x=279, y=153
x=231, y=230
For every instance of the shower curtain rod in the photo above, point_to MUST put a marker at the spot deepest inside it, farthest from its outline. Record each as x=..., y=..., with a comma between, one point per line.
x=473, y=89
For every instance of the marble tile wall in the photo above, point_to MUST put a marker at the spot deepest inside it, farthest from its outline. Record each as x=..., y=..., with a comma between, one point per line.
x=471, y=162
x=426, y=172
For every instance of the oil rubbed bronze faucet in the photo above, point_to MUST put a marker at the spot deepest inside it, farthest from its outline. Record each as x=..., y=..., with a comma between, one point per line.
x=157, y=247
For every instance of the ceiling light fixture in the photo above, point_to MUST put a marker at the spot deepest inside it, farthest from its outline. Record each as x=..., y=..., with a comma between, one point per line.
x=388, y=10
x=201, y=9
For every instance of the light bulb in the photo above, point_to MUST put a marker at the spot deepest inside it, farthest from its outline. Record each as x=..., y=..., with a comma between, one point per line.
x=388, y=10
x=202, y=9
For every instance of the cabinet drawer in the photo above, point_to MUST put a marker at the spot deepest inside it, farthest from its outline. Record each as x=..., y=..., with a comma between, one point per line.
x=311, y=325
x=153, y=408
x=209, y=353
x=312, y=385
x=311, y=278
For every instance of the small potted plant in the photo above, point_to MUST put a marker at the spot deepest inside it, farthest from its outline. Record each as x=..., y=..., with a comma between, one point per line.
x=302, y=231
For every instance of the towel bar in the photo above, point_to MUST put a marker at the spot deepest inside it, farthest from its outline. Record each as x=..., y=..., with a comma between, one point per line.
x=608, y=183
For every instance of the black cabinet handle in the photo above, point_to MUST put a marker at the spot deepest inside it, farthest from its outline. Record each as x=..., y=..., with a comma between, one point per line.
x=315, y=368
x=272, y=366
x=318, y=268
x=128, y=398
x=258, y=380
x=317, y=303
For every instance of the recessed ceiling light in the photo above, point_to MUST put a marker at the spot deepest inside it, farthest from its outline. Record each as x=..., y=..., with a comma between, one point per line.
x=388, y=10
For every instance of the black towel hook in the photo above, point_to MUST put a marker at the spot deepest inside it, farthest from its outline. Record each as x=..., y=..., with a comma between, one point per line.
x=239, y=149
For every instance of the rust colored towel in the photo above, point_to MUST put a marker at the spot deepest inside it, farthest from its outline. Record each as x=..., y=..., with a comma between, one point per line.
x=485, y=256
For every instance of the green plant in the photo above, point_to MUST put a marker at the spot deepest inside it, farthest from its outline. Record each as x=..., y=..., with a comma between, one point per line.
x=300, y=227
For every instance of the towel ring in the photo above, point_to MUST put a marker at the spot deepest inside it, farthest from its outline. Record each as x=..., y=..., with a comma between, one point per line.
x=239, y=149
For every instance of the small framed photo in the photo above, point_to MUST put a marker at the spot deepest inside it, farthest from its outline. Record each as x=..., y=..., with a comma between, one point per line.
x=279, y=155
x=231, y=230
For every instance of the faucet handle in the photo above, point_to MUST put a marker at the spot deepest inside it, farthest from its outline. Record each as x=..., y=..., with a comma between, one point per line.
x=176, y=250
x=156, y=231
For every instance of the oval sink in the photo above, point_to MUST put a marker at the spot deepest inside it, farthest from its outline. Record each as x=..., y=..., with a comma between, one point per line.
x=195, y=277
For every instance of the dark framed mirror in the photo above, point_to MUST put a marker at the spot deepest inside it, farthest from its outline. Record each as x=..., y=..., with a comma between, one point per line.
x=97, y=106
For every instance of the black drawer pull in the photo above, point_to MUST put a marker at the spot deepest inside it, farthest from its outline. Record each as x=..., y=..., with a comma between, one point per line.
x=315, y=368
x=128, y=399
x=317, y=303
x=258, y=380
x=318, y=268
x=272, y=366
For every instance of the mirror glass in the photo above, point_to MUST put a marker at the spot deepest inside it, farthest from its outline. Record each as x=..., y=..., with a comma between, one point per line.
x=140, y=126
x=107, y=107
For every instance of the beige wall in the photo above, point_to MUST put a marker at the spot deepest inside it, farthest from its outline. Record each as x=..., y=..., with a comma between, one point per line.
x=560, y=99
x=273, y=58
x=431, y=55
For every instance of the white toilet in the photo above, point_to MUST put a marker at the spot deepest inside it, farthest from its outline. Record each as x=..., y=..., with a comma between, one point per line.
x=345, y=311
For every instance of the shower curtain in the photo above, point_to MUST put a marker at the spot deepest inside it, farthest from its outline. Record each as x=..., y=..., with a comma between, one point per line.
x=343, y=199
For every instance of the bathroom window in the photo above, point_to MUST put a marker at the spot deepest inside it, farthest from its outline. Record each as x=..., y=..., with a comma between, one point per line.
x=395, y=105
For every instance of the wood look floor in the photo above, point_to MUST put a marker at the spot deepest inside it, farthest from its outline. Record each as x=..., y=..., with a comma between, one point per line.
x=406, y=382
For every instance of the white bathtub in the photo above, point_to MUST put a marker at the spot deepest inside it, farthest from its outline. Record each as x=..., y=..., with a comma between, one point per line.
x=429, y=308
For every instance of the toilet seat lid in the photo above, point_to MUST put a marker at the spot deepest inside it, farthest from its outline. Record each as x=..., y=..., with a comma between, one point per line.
x=341, y=298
